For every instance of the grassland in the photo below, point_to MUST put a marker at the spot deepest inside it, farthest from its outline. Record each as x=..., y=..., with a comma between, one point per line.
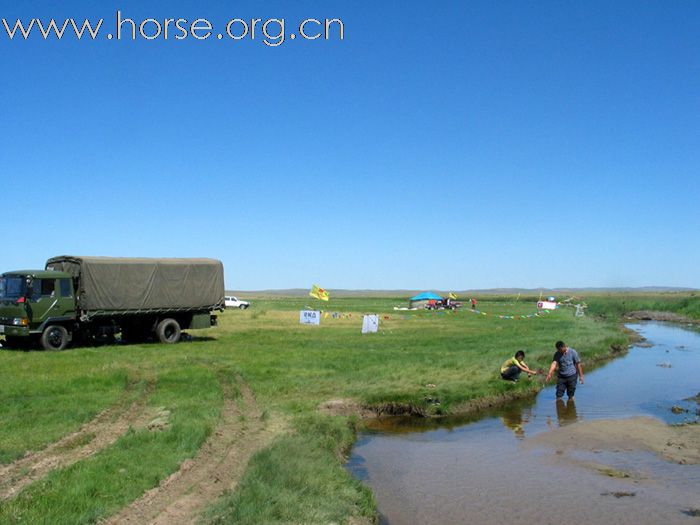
x=614, y=305
x=434, y=363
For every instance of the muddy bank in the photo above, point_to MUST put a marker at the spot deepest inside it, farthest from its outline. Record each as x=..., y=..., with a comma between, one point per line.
x=680, y=444
x=345, y=407
x=650, y=315
x=350, y=407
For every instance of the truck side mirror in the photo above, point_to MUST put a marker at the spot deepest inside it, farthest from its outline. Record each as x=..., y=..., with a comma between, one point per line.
x=29, y=288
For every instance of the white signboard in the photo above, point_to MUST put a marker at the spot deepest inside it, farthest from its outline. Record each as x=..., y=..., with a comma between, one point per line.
x=310, y=317
x=547, y=305
x=370, y=324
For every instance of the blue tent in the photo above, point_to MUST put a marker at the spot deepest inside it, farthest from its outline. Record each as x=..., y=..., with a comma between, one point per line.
x=426, y=296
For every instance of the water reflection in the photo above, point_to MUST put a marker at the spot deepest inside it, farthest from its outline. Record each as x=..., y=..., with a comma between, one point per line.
x=566, y=411
x=515, y=418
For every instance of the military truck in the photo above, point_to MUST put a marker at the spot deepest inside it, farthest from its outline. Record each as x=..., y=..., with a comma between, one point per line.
x=82, y=300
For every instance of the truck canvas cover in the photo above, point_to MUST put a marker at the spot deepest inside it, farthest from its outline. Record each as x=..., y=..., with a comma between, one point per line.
x=109, y=283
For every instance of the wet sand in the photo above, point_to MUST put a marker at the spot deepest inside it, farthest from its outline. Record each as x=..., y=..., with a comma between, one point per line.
x=680, y=444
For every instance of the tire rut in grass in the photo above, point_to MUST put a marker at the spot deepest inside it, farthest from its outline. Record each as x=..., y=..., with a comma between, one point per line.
x=217, y=467
x=100, y=432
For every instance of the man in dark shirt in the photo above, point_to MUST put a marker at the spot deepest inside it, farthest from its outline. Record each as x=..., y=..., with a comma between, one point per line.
x=570, y=368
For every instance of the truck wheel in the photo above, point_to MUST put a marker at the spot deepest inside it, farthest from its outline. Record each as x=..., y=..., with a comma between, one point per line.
x=55, y=337
x=168, y=331
x=243, y=307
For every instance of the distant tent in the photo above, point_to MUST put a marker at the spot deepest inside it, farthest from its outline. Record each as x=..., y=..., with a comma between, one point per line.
x=426, y=296
x=421, y=300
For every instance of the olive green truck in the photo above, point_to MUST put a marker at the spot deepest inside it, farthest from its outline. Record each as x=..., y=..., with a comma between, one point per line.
x=86, y=300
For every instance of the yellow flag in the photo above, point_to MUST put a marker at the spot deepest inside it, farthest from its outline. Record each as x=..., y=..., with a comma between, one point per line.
x=452, y=295
x=319, y=293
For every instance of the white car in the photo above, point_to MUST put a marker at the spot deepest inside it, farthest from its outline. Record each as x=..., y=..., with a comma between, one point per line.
x=234, y=302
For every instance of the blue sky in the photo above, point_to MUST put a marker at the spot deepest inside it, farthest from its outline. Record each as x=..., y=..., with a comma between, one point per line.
x=443, y=145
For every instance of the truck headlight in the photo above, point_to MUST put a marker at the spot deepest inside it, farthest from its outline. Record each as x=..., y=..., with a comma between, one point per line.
x=20, y=321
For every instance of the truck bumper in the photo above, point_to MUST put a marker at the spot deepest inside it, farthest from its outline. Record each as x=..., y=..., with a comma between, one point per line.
x=14, y=331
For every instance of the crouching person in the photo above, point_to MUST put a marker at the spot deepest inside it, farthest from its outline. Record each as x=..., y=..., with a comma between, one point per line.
x=511, y=368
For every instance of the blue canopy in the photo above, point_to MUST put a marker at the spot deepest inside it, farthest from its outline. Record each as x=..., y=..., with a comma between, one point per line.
x=426, y=296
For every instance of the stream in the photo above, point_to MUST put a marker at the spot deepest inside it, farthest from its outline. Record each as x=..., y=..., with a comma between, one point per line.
x=480, y=470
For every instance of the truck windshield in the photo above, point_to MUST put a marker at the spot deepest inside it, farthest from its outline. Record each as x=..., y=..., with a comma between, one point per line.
x=11, y=287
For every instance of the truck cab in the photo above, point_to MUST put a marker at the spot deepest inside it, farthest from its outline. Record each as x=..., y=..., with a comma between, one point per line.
x=36, y=305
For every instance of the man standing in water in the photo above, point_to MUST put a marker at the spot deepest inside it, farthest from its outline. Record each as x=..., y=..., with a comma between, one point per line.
x=570, y=369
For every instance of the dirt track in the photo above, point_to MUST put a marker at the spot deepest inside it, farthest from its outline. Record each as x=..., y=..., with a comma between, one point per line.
x=217, y=467
x=92, y=437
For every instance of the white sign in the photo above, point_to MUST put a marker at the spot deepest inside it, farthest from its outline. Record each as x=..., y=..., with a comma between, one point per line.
x=310, y=317
x=370, y=324
x=547, y=305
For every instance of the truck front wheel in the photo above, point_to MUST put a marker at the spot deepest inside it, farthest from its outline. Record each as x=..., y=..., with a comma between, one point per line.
x=168, y=331
x=55, y=337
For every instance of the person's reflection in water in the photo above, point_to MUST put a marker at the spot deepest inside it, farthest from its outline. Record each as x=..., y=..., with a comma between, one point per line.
x=566, y=411
x=515, y=418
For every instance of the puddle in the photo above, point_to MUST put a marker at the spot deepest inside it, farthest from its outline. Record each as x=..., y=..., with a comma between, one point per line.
x=479, y=471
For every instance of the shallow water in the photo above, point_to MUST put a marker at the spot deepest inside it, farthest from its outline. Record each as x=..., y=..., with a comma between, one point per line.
x=479, y=472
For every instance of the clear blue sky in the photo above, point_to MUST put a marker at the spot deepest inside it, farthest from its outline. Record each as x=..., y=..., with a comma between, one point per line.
x=443, y=145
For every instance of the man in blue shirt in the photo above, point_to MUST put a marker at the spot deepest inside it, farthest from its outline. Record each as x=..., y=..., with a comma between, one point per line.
x=570, y=368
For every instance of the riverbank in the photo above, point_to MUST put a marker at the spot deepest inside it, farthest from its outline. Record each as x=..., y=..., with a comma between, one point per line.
x=669, y=317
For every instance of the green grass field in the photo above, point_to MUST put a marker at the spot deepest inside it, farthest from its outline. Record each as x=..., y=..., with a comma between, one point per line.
x=614, y=305
x=435, y=363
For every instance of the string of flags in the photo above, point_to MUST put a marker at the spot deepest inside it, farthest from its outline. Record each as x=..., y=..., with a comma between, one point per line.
x=335, y=315
x=342, y=315
x=528, y=316
x=430, y=313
